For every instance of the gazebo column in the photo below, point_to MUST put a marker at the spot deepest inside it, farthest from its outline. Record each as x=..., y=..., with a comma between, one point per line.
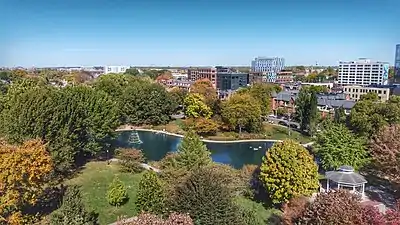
x=362, y=190
x=338, y=186
x=327, y=185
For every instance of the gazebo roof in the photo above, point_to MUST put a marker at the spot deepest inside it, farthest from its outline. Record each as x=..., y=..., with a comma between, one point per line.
x=345, y=175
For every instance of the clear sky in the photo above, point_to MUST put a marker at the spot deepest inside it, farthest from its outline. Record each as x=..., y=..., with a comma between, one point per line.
x=195, y=32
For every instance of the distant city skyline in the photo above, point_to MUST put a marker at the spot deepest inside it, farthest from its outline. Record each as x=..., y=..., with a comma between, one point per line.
x=196, y=33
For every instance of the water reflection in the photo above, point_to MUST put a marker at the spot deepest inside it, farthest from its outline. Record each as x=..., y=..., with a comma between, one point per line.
x=156, y=145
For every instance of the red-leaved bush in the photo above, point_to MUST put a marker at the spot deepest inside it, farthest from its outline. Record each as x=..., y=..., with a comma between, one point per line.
x=151, y=219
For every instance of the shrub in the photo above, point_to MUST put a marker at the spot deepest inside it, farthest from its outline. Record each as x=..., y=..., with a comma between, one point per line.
x=117, y=194
x=151, y=219
x=151, y=194
x=206, y=197
x=130, y=160
x=287, y=171
x=72, y=210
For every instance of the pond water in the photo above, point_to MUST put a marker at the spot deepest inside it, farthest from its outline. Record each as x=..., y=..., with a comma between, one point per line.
x=156, y=145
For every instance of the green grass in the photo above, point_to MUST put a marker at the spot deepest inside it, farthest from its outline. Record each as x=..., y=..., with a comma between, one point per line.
x=267, y=216
x=95, y=179
x=281, y=133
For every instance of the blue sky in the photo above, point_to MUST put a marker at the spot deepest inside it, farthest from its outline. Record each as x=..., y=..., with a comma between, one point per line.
x=196, y=32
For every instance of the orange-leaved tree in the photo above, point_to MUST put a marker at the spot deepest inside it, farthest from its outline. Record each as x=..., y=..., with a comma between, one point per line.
x=24, y=171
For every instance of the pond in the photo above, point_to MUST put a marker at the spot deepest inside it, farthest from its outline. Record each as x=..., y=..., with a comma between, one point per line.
x=156, y=145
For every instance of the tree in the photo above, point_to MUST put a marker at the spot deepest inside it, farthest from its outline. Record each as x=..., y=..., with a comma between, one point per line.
x=151, y=194
x=77, y=122
x=288, y=171
x=178, y=95
x=340, y=115
x=205, y=88
x=306, y=109
x=336, y=146
x=72, y=210
x=385, y=151
x=205, y=196
x=202, y=126
x=369, y=115
x=293, y=210
x=130, y=160
x=339, y=207
x=262, y=93
x=117, y=194
x=195, y=106
x=146, y=103
x=24, y=172
x=192, y=152
x=241, y=110
x=132, y=72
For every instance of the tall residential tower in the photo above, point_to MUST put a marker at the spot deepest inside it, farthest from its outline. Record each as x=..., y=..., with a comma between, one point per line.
x=363, y=72
x=397, y=63
x=269, y=67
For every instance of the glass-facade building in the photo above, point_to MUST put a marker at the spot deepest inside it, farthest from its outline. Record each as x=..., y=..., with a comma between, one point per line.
x=230, y=81
x=269, y=67
x=397, y=62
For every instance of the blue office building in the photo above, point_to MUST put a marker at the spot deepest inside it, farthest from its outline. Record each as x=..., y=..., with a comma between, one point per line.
x=397, y=63
x=269, y=67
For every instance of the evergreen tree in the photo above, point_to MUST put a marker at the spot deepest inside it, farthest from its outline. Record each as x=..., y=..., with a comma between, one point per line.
x=151, y=194
x=72, y=210
x=117, y=193
x=340, y=115
x=192, y=152
x=306, y=109
x=205, y=195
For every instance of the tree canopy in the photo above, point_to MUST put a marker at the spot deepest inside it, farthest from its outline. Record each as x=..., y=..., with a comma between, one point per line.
x=288, y=171
x=336, y=146
x=242, y=111
x=195, y=106
x=306, y=109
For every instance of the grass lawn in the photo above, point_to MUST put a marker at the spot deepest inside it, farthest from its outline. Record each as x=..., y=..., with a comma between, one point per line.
x=274, y=132
x=95, y=179
x=267, y=216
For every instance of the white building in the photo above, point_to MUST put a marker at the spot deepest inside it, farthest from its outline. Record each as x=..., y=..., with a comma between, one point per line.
x=268, y=66
x=363, y=72
x=115, y=69
x=355, y=92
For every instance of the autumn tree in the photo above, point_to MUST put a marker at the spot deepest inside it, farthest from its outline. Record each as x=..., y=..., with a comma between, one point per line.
x=205, y=88
x=242, y=111
x=151, y=194
x=72, y=210
x=385, y=151
x=293, y=210
x=335, y=207
x=288, y=171
x=130, y=160
x=336, y=146
x=202, y=126
x=24, y=172
x=195, y=106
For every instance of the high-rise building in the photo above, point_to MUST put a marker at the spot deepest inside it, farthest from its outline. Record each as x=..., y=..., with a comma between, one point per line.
x=363, y=72
x=268, y=66
x=397, y=63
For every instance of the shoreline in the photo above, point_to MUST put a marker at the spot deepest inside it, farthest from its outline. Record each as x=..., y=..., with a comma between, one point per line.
x=205, y=140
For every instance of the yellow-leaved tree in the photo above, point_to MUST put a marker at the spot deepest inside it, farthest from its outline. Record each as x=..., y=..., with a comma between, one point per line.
x=24, y=172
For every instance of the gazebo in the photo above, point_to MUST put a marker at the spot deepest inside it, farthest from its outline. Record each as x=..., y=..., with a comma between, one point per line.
x=345, y=178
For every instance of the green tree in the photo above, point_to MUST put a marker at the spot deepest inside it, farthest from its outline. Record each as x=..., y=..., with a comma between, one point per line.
x=192, y=152
x=306, y=109
x=241, y=110
x=287, y=171
x=151, y=194
x=262, y=93
x=130, y=160
x=146, y=103
x=178, y=95
x=206, y=197
x=340, y=115
x=132, y=71
x=117, y=194
x=336, y=146
x=196, y=107
x=76, y=122
x=72, y=210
